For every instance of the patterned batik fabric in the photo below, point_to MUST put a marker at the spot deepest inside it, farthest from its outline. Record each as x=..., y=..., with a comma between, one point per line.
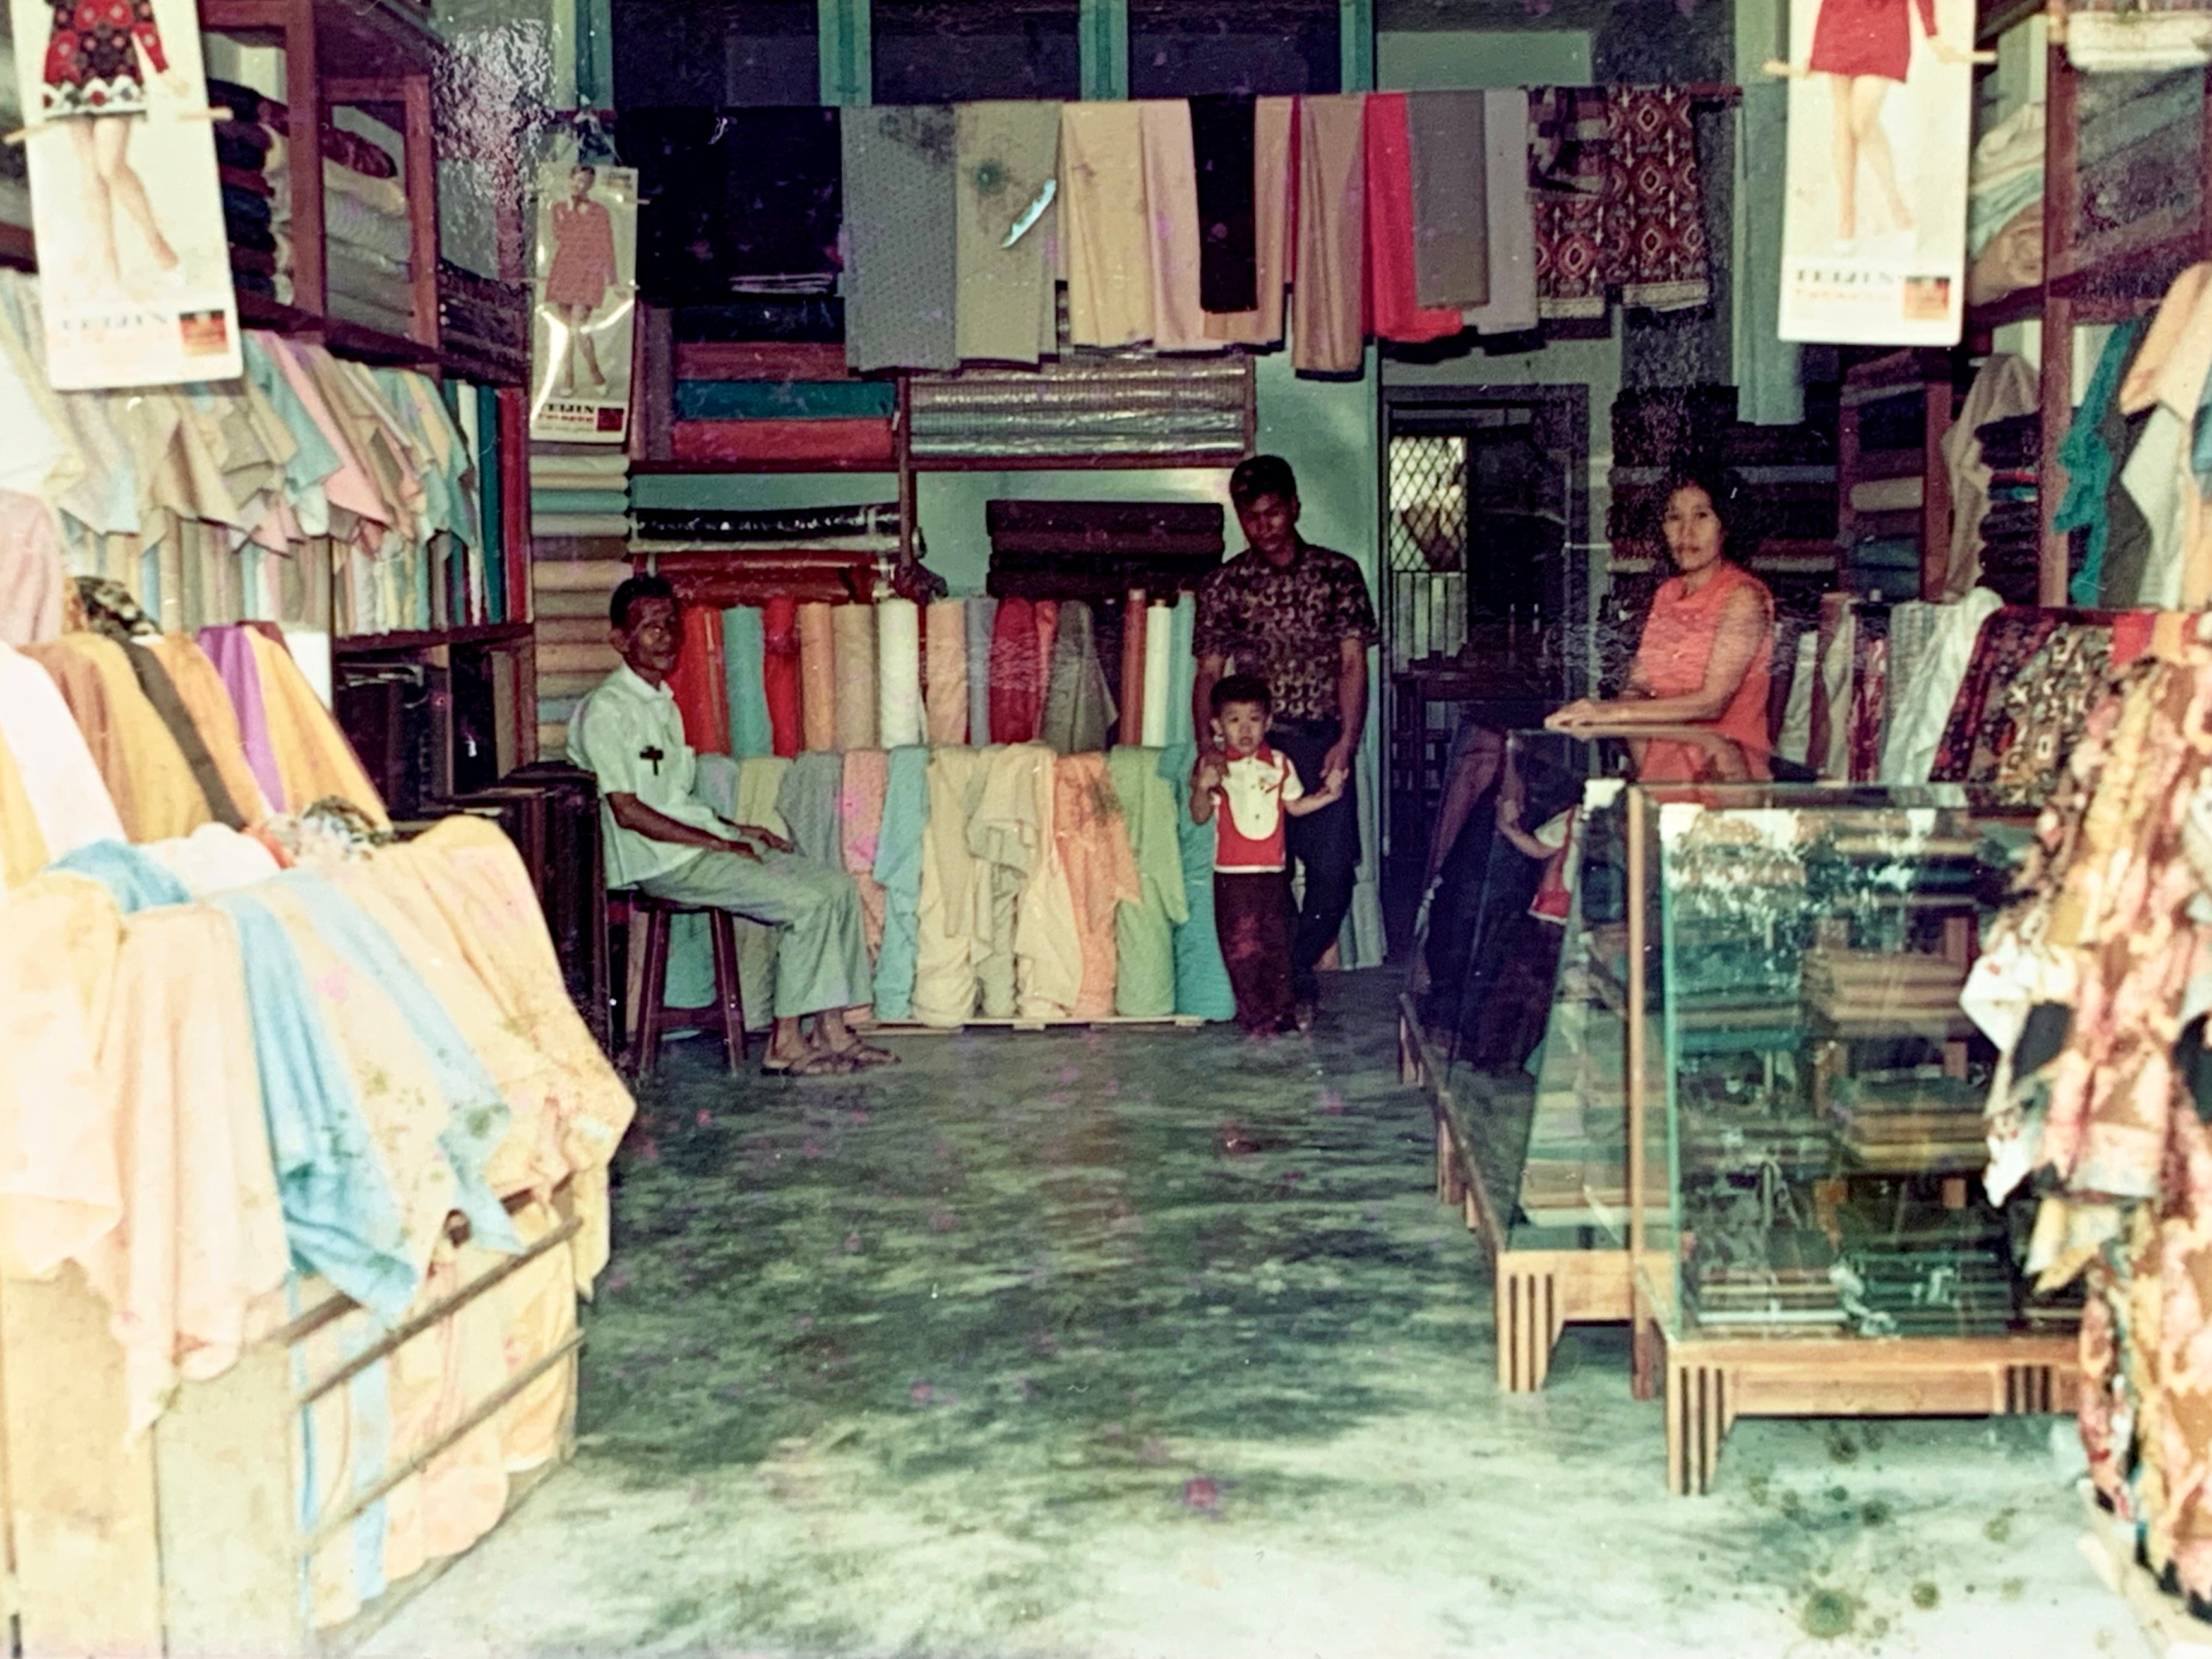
x=1655, y=207
x=2009, y=639
x=1618, y=201
x=2046, y=709
x=1569, y=131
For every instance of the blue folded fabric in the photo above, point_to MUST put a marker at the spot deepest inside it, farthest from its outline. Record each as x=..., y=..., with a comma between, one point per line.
x=134, y=880
x=1202, y=986
x=899, y=868
x=477, y=1113
x=340, y=1217
x=785, y=400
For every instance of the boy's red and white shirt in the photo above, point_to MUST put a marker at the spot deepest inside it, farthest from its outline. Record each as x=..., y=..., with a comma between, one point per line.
x=1248, y=810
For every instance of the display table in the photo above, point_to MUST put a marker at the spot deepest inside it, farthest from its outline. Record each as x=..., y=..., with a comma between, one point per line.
x=1810, y=1129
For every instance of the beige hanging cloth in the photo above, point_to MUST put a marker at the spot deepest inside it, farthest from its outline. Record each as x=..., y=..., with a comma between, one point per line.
x=1271, y=218
x=1328, y=296
x=1108, y=243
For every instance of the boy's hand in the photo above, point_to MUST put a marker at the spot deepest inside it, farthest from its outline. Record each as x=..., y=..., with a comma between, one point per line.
x=1210, y=774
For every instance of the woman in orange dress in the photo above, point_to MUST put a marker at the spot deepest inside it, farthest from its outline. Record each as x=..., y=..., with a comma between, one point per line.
x=1704, y=657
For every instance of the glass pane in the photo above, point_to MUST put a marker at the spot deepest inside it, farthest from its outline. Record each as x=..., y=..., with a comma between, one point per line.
x=950, y=51
x=1266, y=47
x=709, y=54
x=1820, y=1141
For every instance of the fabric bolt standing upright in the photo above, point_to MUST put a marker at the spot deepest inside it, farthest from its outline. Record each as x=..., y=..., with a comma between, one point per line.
x=898, y=672
x=811, y=801
x=1144, y=932
x=853, y=632
x=1045, y=613
x=818, y=678
x=944, y=672
x=1509, y=218
x=983, y=617
x=1221, y=134
x=1445, y=134
x=699, y=683
x=229, y=648
x=860, y=821
x=1391, y=232
x=745, y=664
x=1183, y=669
x=901, y=281
x=1078, y=705
x=1202, y=984
x=898, y=872
x=1328, y=299
x=1171, y=208
x=1007, y=156
x=780, y=673
x=1159, y=674
x=1274, y=124
x=1134, y=708
x=1017, y=693
x=1102, y=871
x=1109, y=252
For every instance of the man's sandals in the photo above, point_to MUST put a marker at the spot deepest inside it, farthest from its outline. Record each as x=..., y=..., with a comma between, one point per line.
x=830, y=1062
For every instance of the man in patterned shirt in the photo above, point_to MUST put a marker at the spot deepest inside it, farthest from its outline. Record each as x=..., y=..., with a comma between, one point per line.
x=1298, y=616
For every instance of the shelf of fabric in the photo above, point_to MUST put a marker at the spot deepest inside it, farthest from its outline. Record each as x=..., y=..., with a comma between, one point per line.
x=786, y=445
x=765, y=360
x=505, y=633
x=723, y=577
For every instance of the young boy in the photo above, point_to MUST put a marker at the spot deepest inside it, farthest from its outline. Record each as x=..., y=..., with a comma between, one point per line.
x=1251, y=788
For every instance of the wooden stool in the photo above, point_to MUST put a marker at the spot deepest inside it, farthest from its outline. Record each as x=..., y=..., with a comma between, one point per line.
x=649, y=983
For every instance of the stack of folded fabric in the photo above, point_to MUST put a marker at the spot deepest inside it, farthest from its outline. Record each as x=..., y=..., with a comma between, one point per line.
x=368, y=240
x=1911, y=1122
x=871, y=530
x=1768, y=1301
x=579, y=529
x=2012, y=528
x=2004, y=213
x=483, y=316
x=579, y=490
x=254, y=218
x=1881, y=989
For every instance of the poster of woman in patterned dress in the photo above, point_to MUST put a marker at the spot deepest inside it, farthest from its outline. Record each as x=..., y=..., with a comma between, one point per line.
x=1875, y=231
x=124, y=202
x=579, y=334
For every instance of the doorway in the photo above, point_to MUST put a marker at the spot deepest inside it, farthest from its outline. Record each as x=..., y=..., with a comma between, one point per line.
x=1484, y=607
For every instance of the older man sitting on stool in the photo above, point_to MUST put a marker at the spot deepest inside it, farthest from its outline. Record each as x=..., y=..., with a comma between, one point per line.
x=663, y=840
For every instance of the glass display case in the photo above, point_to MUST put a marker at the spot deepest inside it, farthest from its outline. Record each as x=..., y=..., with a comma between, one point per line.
x=1517, y=1020
x=1814, y=1239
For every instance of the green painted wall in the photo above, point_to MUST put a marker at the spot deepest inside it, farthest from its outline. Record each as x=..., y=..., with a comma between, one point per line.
x=1427, y=60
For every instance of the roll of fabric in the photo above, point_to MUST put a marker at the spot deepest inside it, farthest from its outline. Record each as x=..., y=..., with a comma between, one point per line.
x=1450, y=199
x=1132, y=689
x=1395, y=309
x=752, y=731
x=1328, y=301
x=1183, y=675
x=853, y=633
x=944, y=672
x=818, y=679
x=1201, y=978
x=1159, y=673
x=898, y=672
x=1171, y=208
x=982, y=613
x=543, y=501
x=1078, y=704
x=780, y=673
x=786, y=400
x=1017, y=693
x=811, y=799
x=860, y=821
x=1045, y=614
x=1272, y=122
x=702, y=684
x=898, y=869
x=1108, y=243
x=788, y=441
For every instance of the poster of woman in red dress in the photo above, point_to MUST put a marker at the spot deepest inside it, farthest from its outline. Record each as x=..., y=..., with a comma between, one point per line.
x=1874, y=247
x=124, y=202
x=581, y=335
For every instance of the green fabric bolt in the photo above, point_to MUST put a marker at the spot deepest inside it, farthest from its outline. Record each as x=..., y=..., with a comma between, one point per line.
x=1144, y=932
x=1201, y=978
x=1078, y=705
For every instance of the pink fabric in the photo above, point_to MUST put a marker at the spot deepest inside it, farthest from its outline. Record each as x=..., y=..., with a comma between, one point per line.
x=232, y=653
x=32, y=579
x=350, y=487
x=1171, y=209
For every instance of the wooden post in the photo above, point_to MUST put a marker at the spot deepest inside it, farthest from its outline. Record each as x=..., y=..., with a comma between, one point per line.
x=1638, y=992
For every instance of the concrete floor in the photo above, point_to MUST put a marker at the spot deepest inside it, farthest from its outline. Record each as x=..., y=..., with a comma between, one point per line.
x=1125, y=1343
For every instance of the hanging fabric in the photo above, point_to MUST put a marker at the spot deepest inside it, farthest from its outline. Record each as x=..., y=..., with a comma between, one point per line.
x=1273, y=124
x=1222, y=133
x=1447, y=142
x=1108, y=241
x=1008, y=230
x=901, y=213
x=1328, y=300
x=1171, y=209
x=1391, y=259
x=1509, y=217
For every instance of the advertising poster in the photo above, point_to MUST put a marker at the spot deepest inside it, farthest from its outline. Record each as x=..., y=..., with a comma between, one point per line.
x=586, y=288
x=1874, y=249
x=125, y=203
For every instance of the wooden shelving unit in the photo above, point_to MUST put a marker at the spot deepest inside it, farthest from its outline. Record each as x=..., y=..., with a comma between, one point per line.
x=1921, y=378
x=2102, y=276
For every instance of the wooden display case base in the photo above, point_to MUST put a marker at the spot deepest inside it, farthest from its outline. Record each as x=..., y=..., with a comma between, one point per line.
x=1538, y=1293
x=1710, y=1383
